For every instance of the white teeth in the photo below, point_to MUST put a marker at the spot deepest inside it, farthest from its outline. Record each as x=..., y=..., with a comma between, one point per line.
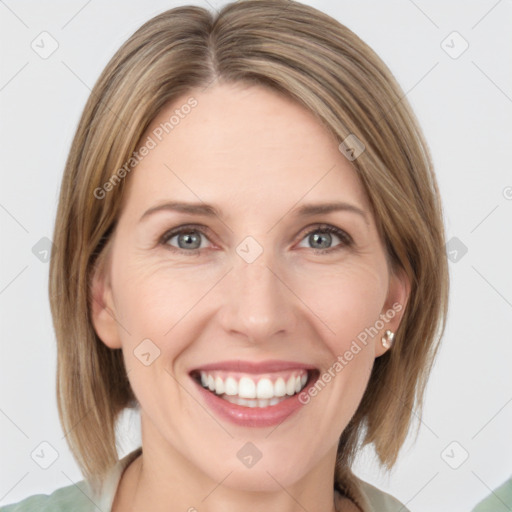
x=246, y=388
x=261, y=402
x=265, y=389
x=251, y=392
x=290, y=386
x=231, y=387
x=219, y=386
x=280, y=387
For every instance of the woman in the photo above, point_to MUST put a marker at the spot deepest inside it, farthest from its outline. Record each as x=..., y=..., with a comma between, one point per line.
x=212, y=157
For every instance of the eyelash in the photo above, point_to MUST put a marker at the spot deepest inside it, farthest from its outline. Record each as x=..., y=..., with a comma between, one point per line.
x=324, y=228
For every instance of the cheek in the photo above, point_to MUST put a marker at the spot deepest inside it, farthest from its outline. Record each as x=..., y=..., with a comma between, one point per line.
x=346, y=301
x=151, y=300
x=351, y=309
x=151, y=309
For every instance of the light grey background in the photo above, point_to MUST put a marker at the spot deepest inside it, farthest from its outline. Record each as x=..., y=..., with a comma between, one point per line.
x=464, y=105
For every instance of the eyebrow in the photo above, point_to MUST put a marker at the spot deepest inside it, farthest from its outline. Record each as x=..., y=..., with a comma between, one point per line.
x=210, y=211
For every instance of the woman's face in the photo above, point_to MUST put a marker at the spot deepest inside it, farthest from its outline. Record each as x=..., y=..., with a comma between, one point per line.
x=247, y=284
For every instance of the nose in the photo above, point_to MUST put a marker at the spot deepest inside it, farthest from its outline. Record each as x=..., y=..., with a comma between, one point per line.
x=258, y=303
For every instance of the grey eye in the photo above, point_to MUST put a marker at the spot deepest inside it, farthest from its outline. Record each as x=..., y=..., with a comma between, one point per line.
x=322, y=241
x=187, y=239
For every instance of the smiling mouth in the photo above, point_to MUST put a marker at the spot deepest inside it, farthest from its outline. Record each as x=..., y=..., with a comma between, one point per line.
x=255, y=390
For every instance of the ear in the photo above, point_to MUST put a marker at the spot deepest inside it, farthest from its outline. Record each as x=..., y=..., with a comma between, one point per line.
x=394, y=308
x=102, y=303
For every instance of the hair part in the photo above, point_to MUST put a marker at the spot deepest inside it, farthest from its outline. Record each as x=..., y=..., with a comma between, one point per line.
x=315, y=60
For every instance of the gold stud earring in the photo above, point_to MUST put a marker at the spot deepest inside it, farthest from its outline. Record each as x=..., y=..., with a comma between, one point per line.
x=387, y=340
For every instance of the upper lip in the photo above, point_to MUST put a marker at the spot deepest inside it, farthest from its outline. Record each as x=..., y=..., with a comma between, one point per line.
x=271, y=365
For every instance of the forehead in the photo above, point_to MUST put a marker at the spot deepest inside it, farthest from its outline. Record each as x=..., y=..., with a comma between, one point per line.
x=244, y=147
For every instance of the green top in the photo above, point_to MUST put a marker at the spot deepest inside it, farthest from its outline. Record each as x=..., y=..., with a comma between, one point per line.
x=500, y=499
x=79, y=498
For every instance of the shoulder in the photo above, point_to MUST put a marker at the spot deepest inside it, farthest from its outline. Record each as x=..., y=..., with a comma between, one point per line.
x=365, y=495
x=379, y=500
x=77, y=497
x=71, y=498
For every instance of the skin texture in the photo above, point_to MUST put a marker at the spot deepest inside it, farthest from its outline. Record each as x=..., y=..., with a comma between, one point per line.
x=255, y=155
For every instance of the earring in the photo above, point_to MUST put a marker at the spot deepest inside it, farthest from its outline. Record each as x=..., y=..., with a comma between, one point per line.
x=387, y=340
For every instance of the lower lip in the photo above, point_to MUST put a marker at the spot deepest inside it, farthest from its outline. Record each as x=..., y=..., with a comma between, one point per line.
x=253, y=416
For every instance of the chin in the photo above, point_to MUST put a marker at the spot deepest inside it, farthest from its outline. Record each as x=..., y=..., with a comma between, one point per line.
x=262, y=477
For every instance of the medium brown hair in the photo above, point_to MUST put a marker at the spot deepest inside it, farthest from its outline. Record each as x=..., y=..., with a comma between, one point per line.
x=315, y=60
